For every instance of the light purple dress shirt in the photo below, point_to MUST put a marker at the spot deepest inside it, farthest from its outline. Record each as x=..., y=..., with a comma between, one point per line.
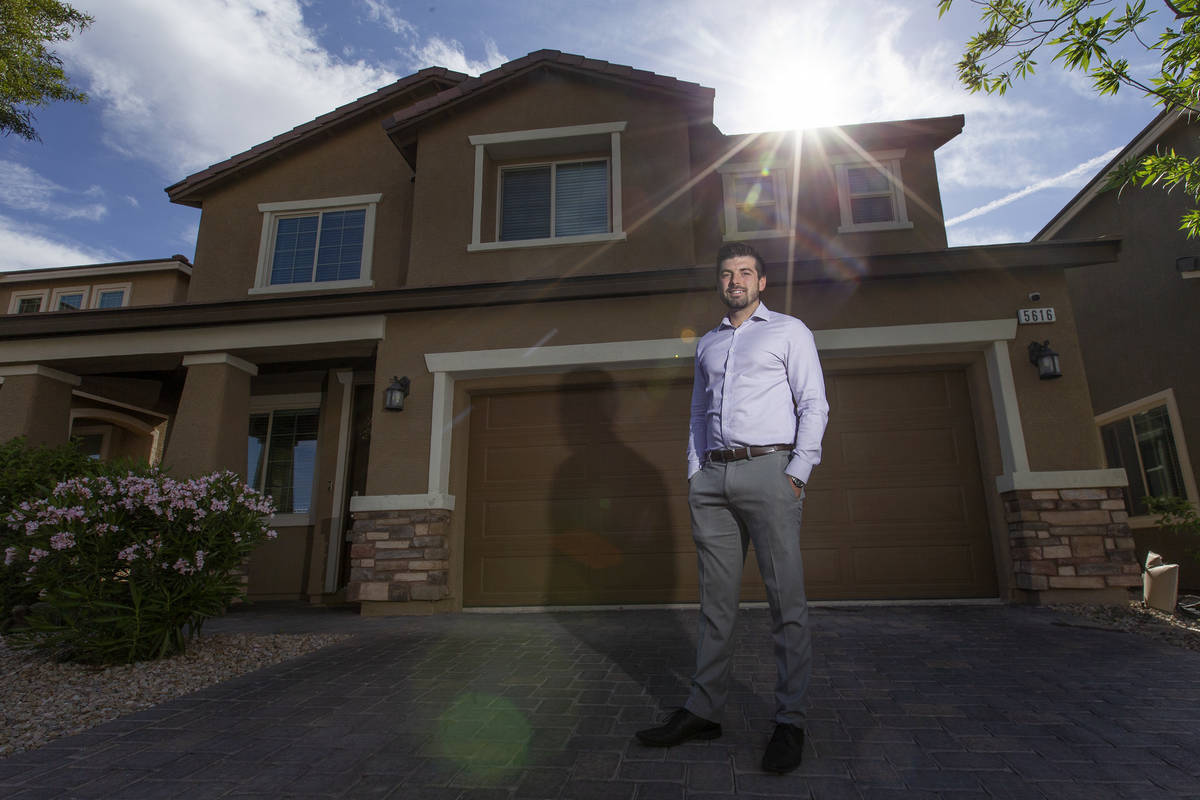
x=759, y=383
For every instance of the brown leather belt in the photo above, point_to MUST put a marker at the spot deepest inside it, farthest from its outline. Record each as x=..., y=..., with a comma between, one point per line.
x=743, y=453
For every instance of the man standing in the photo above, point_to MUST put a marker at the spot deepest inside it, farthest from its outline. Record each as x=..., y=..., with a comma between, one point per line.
x=758, y=415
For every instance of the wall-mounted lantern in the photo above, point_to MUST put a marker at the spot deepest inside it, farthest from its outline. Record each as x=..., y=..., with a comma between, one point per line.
x=1045, y=359
x=394, y=394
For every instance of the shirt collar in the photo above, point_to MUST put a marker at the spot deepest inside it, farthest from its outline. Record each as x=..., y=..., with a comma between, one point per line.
x=761, y=313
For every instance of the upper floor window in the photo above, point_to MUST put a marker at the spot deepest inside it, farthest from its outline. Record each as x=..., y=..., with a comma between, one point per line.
x=572, y=198
x=1145, y=439
x=756, y=200
x=566, y=198
x=871, y=192
x=326, y=244
x=111, y=296
x=69, y=299
x=28, y=302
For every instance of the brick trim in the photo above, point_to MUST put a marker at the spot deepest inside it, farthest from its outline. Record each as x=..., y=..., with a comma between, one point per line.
x=1070, y=539
x=399, y=556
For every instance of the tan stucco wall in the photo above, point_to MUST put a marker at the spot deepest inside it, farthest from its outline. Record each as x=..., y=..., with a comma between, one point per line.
x=654, y=168
x=146, y=288
x=211, y=427
x=37, y=407
x=357, y=160
x=277, y=569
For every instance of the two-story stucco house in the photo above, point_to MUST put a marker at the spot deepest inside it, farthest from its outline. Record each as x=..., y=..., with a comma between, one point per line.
x=530, y=255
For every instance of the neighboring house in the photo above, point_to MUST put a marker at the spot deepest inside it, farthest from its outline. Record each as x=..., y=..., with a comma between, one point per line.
x=108, y=422
x=530, y=254
x=1139, y=324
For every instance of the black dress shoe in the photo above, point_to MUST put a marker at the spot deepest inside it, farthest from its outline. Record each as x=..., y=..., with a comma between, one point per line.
x=683, y=726
x=785, y=750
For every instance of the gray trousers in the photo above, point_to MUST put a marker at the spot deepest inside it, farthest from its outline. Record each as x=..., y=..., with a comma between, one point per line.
x=732, y=505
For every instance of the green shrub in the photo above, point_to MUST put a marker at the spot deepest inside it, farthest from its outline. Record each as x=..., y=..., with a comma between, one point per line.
x=1177, y=517
x=129, y=568
x=26, y=473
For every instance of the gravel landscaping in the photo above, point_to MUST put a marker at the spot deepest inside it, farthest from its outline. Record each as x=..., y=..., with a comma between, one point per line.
x=41, y=700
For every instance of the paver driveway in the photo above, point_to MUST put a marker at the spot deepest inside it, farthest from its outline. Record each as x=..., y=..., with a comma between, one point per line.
x=907, y=702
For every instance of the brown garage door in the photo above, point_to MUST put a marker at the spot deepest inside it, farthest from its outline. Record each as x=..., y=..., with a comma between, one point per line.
x=577, y=495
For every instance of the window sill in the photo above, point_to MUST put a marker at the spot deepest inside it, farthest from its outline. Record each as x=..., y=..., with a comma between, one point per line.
x=875, y=226
x=557, y=241
x=290, y=521
x=318, y=286
x=738, y=236
x=1191, y=273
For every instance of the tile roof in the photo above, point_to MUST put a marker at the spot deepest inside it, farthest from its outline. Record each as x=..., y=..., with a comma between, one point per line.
x=430, y=106
x=185, y=191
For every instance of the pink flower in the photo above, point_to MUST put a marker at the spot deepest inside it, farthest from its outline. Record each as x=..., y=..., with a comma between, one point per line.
x=37, y=554
x=62, y=540
x=10, y=554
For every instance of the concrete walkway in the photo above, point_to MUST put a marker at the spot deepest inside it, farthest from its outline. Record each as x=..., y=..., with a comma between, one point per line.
x=913, y=703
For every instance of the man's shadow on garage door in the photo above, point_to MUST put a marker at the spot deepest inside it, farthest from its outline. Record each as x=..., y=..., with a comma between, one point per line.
x=622, y=537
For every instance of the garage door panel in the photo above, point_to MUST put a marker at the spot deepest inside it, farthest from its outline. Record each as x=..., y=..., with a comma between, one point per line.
x=925, y=503
x=642, y=515
x=868, y=450
x=930, y=565
x=909, y=391
x=579, y=495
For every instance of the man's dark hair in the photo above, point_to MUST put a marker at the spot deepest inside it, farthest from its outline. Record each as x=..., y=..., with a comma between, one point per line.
x=734, y=249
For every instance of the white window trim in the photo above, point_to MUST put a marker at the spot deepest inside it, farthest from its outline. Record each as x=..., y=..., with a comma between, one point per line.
x=268, y=404
x=272, y=212
x=481, y=142
x=1164, y=398
x=15, y=299
x=57, y=294
x=126, y=288
x=778, y=171
x=887, y=161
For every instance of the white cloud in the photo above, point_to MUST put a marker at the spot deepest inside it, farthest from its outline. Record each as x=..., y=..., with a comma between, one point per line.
x=186, y=83
x=25, y=190
x=968, y=236
x=30, y=247
x=1072, y=178
x=133, y=201
x=450, y=54
x=381, y=11
x=189, y=234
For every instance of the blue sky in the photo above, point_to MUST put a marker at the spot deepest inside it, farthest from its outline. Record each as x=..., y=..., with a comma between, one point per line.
x=177, y=85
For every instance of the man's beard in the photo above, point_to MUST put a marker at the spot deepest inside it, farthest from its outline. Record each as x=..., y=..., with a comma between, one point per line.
x=747, y=298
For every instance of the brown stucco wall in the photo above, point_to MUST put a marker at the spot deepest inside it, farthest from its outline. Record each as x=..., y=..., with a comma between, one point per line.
x=654, y=171
x=358, y=159
x=1137, y=317
x=211, y=427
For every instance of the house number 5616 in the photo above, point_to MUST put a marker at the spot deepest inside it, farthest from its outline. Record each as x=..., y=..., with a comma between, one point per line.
x=1028, y=316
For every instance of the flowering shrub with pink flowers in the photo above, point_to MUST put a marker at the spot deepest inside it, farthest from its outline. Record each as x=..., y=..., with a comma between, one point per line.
x=128, y=567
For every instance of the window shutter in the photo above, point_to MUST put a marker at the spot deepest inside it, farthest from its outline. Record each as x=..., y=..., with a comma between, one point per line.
x=581, y=198
x=525, y=203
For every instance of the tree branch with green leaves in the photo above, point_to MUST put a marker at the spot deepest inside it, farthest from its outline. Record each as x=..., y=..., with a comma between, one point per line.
x=31, y=73
x=1083, y=36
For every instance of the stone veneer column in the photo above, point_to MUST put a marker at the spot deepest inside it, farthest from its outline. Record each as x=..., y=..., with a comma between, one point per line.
x=398, y=556
x=35, y=402
x=212, y=423
x=1067, y=540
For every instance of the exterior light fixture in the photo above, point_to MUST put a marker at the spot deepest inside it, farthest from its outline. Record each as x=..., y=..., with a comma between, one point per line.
x=394, y=394
x=1045, y=359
